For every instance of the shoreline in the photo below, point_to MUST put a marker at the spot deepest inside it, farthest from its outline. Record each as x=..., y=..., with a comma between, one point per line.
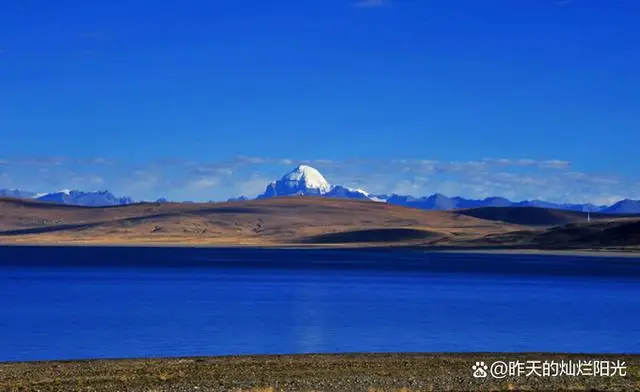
x=547, y=252
x=602, y=252
x=305, y=372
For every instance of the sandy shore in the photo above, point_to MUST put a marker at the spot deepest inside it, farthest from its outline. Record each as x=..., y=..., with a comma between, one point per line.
x=350, y=372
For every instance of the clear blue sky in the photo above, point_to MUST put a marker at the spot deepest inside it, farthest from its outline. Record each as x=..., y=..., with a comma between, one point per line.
x=139, y=82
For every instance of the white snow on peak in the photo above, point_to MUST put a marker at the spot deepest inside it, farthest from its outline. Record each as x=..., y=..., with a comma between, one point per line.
x=65, y=191
x=358, y=190
x=310, y=176
x=366, y=194
x=39, y=195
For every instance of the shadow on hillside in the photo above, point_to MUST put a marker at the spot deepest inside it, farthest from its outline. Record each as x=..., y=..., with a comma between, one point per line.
x=129, y=220
x=608, y=234
x=373, y=235
x=570, y=236
x=536, y=216
x=48, y=229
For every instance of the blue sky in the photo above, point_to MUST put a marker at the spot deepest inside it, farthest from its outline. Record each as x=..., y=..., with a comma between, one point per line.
x=208, y=99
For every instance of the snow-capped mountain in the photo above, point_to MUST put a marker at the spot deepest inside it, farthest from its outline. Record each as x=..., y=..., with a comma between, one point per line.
x=71, y=197
x=305, y=180
x=302, y=181
x=88, y=199
x=339, y=191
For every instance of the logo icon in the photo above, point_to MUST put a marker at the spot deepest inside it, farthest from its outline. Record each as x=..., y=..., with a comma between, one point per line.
x=479, y=370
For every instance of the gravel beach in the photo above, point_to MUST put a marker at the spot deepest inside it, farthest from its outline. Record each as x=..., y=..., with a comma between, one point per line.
x=348, y=372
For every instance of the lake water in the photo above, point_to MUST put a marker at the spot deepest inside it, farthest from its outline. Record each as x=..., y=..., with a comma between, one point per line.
x=67, y=303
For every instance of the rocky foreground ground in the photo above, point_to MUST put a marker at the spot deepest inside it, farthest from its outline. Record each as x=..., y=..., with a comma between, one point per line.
x=355, y=372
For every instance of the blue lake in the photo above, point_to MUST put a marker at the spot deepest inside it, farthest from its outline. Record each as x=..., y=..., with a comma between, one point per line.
x=68, y=303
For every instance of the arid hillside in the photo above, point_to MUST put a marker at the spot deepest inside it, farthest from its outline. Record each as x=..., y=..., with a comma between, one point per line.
x=310, y=221
x=289, y=220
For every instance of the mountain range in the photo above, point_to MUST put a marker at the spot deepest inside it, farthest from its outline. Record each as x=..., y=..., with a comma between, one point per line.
x=71, y=197
x=305, y=180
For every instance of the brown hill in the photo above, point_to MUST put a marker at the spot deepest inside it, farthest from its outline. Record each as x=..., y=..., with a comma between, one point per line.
x=620, y=233
x=277, y=221
x=604, y=234
x=535, y=216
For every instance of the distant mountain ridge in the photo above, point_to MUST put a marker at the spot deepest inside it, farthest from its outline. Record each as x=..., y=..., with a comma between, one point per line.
x=16, y=193
x=439, y=201
x=88, y=199
x=71, y=197
x=305, y=180
x=625, y=206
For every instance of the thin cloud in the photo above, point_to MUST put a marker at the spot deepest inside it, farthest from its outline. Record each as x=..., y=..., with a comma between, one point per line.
x=555, y=164
x=251, y=160
x=248, y=160
x=251, y=187
x=549, y=164
x=97, y=161
x=43, y=161
x=211, y=170
x=203, y=183
x=52, y=161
